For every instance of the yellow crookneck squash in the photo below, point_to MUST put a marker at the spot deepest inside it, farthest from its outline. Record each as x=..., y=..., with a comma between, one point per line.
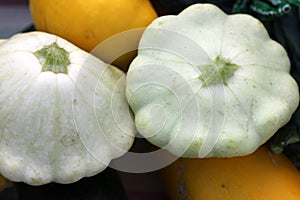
x=262, y=175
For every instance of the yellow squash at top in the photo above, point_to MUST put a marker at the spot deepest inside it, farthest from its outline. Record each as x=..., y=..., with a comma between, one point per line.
x=87, y=23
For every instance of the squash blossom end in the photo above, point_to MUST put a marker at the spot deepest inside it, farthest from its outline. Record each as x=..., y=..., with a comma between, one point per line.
x=217, y=72
x=53, y=58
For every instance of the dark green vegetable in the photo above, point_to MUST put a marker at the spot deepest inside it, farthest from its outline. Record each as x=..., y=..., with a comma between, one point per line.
x=265, y=9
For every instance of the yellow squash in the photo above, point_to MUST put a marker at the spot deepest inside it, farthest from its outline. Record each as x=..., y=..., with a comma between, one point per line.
x=87, y=23
x=4, y=183
x=262, y=175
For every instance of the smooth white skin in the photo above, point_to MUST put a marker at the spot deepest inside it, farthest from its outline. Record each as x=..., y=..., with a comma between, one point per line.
x=59, y=127
x=172, y=108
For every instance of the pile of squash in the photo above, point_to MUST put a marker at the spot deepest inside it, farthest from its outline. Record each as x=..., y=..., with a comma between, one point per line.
x=210, y=88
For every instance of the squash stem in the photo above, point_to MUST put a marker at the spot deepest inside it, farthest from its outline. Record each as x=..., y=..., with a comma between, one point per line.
x=217, y=72
x=53, y=58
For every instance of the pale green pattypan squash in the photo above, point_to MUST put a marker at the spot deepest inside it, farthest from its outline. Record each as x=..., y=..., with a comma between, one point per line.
x=64, y=114
x=2, y=41
x=208, y=84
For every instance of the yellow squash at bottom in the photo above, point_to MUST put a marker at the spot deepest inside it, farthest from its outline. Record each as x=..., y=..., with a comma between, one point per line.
x=262, y=175
x=4, y=183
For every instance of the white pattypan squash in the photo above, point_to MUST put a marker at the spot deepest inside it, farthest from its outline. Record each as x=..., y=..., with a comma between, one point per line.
x=208, y=84
x=2, y=41
x=63, y=112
